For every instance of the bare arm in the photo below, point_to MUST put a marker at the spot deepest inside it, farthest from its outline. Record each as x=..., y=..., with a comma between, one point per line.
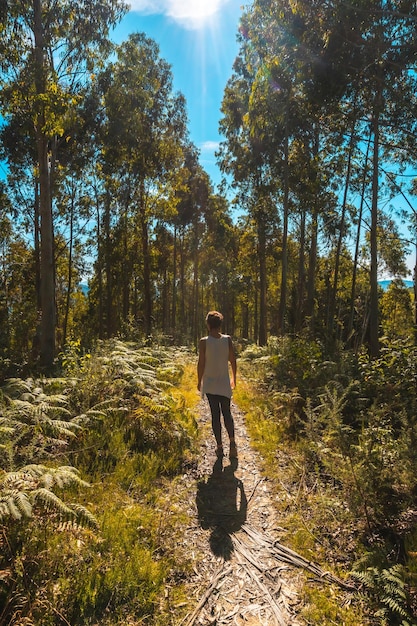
x=201, y=362
x=232, y=359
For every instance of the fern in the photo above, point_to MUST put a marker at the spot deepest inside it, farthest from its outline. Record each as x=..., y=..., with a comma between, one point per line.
x=15, y=504
x=33, y=424
x=33, y=485
x=387, y=588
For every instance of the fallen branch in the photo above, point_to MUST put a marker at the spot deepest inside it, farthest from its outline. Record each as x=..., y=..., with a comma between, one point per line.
x=271, y=600
x=287, y=555
x=223, y=571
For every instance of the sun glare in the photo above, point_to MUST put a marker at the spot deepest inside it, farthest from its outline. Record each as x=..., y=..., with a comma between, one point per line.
x=193, y=13
x=190, y=14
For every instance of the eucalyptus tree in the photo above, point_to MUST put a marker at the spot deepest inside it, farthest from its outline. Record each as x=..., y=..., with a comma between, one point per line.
x=219, y=261
x=244, y=155
x=344, y=66
x=269, y=107
x=144, y=137
x=371, y=48
x=274, y=114
x=47, y=49
x=246, y=272
x=388, y=45
x=192, y=197
x=413, y=220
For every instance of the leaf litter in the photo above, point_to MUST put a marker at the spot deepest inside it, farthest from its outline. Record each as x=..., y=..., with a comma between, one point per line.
x=243, y=574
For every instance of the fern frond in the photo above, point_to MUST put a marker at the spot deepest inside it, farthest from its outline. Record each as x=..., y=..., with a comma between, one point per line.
x=50, y=501
x=61, y=477
x=31, y=476
x=47, y=408
x=15, y=504
x=22, y=408
x=6, y=430
x=84, y=517
x=60, y=427
x=58, y=399
x=387, y=586
x=152, y=405
x=15, y=387
x=394, y=606
x=23, y=480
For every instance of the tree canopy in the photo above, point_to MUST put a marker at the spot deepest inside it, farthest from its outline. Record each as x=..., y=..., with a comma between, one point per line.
x=116, y=221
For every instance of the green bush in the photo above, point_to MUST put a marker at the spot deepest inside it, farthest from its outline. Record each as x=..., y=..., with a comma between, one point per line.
x=87, y=555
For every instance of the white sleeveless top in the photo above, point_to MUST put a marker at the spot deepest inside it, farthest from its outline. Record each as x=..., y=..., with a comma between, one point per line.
x=216, y=378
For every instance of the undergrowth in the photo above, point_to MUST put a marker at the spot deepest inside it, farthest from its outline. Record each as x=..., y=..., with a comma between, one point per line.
x=89, y=526
x=338, y=440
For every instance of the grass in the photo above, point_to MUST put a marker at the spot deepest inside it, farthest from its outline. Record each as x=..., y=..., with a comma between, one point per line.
x=138, y=432
x=309, y=511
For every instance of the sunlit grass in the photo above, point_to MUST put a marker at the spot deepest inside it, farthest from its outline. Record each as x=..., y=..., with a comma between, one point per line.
x=138, y=431
x=186, y=387
x=301, y=509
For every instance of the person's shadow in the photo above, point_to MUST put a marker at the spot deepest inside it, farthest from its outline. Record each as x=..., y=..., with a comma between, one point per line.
x=222, y=506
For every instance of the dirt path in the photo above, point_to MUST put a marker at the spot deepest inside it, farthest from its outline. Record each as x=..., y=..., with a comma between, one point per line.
x=241, y=576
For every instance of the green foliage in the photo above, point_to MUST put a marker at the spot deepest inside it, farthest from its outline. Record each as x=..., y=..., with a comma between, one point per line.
x=388, y=591
x=355, y=444
x=100, y=555
x=397, y=311
x=31, y=488
x=38, y=424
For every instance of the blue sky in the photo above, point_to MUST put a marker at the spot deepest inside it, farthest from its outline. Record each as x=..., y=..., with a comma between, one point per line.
x=198, y=39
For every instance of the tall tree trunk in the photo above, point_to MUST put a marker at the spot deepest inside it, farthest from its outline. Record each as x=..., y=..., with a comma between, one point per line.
x=284, y=267
x=262, y=336
x=312, y=263
x=69, y=287
x=108, y=267
x=47, y=266
x=165, y=301
x=299, y=299
x=373, y=311
x=357, y=245
x=183, y=325
x=245, y=313
x=147, y=297
x=415, y=298
x=333, y=290
x=195, y=298
x=174, y=286
x=125, y=278
x=99, y=270
x=37, y=247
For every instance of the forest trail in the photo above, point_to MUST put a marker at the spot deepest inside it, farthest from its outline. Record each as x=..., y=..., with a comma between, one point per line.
x=239, y=580
x=239, y=577
x=243, y=575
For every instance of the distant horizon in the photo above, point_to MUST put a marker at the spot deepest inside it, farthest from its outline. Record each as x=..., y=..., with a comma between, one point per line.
x=385, y=282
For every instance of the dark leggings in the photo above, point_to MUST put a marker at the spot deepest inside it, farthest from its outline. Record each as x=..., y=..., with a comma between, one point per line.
x=221, y=404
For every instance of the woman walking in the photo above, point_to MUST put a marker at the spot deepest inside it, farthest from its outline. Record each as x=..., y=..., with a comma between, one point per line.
x=215, y=352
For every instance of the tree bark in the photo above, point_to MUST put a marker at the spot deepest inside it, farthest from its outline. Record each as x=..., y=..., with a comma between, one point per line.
x=333, y=290
x=284, y=267
x=299, y=299
x=373, y=305
x=350, y=333
x=262, y=336
x=146, y=263
x=47, y=264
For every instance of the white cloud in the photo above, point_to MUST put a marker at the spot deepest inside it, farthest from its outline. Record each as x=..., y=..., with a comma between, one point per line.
x=209, y=146
x=147, y=6
x=190, y=14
